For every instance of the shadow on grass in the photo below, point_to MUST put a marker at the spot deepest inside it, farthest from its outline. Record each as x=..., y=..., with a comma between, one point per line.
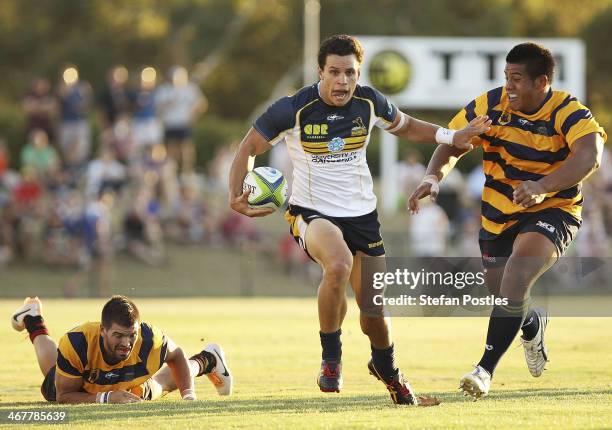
x=272, y=404
x=547, y=393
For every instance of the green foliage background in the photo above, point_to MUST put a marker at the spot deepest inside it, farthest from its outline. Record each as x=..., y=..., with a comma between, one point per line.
x=255, y=43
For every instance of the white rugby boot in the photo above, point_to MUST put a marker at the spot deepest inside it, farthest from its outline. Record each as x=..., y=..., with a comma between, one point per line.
x=220, y=375
x=31, y=306
x=476, y=383
x=536, y=354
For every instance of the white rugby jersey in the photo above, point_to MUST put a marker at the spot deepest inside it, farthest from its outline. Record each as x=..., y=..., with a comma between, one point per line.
x=327, y=145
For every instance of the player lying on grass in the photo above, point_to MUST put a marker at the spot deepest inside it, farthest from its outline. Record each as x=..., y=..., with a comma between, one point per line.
x=120, y=360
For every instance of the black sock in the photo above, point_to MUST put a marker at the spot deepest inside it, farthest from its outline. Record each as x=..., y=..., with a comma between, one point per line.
x=531, y=325
x=35, y=326
x=504, y=324
x=384, y=362
x=206, y=360
x=332, y=346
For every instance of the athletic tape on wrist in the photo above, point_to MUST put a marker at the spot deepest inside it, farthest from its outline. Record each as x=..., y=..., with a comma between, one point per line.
x=188, y=394
x=103, y=397
x=433, y=180
x=445, y=136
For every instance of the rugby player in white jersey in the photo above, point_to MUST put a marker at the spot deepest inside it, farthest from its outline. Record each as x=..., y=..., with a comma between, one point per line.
x=332, y=208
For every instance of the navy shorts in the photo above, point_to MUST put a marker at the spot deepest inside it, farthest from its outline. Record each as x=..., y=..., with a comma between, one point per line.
x=48, y=386
x=361, y=233
x=177, y=133
x=557, y=225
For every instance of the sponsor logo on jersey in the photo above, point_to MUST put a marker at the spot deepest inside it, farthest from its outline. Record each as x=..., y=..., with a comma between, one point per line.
x=546, y=226
x=315, y=129
x=523, y=121
x=359, y=129
x=336, y=144
x=338, y=157
x=504, y=118
x=333, y=117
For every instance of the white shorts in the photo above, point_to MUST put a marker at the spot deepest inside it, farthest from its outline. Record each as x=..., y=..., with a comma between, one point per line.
x=75, y=141
x=146, y=132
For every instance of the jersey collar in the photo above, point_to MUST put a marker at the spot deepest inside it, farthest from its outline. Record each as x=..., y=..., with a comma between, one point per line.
x=548, y=96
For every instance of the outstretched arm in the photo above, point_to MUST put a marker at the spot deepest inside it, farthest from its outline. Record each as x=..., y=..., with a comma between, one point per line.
x=69, y=390
x=414, y=129
x=253, y=144
x=442, y=162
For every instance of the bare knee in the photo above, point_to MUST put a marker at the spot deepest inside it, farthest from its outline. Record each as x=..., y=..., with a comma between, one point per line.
x=518, y=279
x=336, y=274
x=532, y=255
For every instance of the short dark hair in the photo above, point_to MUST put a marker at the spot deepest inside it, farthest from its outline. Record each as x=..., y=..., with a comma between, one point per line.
x=120, y=310
x=340, y=44
x=537, y=59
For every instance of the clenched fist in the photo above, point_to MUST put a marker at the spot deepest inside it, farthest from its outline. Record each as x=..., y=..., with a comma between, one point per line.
x=528, y=193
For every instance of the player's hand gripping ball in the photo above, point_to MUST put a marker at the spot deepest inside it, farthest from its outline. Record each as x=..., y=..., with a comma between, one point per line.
x=267, y=186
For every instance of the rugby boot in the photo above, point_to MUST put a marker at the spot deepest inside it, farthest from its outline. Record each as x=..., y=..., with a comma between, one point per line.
x=330, y=377
x=399, y=388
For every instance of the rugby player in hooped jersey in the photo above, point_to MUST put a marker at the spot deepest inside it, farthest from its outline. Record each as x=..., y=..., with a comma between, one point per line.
x=117, y=360
x=541, y=146
x=332, y=209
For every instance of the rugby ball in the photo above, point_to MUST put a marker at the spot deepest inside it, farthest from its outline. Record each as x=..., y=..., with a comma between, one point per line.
x=267, y=186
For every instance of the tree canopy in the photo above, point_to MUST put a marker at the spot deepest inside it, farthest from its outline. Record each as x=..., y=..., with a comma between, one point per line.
x=242, y=48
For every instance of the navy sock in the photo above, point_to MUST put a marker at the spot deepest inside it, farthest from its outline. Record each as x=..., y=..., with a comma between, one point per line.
x=504, y=324
x=531, y=325
x=332, y=346
x=206, y=360
x=384, y=361
x=35, y=326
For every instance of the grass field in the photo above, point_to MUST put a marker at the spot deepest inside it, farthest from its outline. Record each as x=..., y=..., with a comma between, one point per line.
x=272, y=347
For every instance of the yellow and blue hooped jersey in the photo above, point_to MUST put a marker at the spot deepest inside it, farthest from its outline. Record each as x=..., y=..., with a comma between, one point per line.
x=525, y=146
x=80, y=356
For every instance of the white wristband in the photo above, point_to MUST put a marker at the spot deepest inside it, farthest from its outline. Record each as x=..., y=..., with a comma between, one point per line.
x=188, y=394
x=103, y=397
x=433, y=180
x=444, y=135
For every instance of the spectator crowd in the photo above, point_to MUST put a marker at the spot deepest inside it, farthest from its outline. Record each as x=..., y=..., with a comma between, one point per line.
x=78, y=199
